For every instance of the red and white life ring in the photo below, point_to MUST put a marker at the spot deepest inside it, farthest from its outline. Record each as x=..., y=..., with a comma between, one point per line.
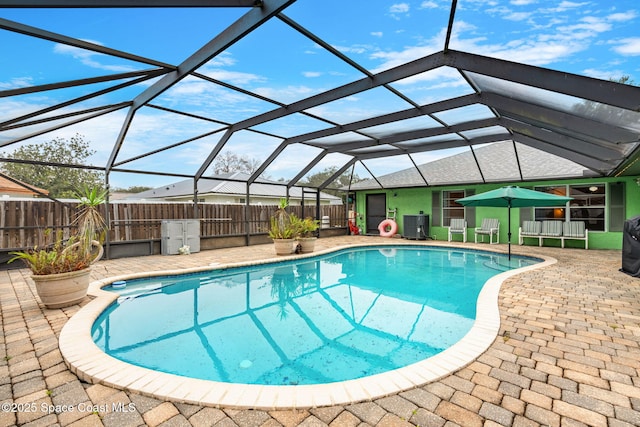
x=388, y=228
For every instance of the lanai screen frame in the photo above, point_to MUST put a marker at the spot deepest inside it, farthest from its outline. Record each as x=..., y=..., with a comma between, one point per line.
x=604, y=149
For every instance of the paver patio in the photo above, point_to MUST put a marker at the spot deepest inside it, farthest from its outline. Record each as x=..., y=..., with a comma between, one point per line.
x=568, y=354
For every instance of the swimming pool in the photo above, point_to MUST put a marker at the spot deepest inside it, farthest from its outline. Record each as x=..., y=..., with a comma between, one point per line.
x=340, y=293
x=335, y=317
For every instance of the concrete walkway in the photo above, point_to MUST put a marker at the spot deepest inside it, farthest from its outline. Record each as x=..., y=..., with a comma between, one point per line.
x=568, y=354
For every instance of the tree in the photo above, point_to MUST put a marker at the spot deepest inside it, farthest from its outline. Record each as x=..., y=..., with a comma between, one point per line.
x=133, y=189
x=319, y=178
x=228, y=162
x=625, y=80
x=605, y=113
x=59, y=181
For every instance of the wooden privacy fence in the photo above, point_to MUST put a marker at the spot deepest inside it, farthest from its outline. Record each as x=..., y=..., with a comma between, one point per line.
x=29, y=223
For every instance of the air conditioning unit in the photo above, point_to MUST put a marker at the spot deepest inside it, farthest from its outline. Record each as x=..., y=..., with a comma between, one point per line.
x=415, y=227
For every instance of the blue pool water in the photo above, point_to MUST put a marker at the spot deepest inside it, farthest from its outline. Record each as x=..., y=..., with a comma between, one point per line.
x=345, y=315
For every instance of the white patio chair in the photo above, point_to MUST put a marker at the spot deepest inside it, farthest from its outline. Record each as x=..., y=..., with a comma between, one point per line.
x=458, y=226
x=490, y=227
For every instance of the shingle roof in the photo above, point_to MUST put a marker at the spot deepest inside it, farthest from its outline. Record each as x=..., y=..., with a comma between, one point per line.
x=498, y=161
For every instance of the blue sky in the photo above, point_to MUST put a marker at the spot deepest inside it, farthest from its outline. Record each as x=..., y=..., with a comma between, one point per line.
x=593, y=38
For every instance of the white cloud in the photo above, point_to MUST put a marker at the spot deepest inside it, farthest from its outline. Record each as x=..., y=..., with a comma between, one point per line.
x=588, y=27
x=399, y=8
x=517, y=16
x=11, y=109
x=622, y=16
x=225, y=59
x=436, y=79
x=193, y=94
x=510, y=14
x=537, y=52
x=190, y=87
x=550, y=42
x=477, y=4
x=311, y=74
x=392, y=59
x=539, y=49
x=90, y=58
x=63, y=48
x=216, y=70
x=566, y=5
x=603, y=74
x=143, y=137
x=100, y=132
x=347, y=110
x=570, y=4
x=17, y=82
x=522, y=2
x=233, y=77
x=357, y=48
x=628, y=46
x=287, y=94
x=428, y=5
x=376, y=33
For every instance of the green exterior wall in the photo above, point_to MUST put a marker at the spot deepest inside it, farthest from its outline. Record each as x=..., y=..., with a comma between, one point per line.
x=410, y=201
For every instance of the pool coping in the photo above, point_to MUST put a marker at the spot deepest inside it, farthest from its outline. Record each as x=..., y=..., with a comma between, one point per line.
x=86, y=360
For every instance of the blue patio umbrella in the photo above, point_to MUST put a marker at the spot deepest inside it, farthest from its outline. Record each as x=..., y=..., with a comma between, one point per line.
x=516, y=197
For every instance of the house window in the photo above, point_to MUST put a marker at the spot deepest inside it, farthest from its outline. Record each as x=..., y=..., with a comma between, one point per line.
x=557, y=213
x=450, y=208
x=588, y=205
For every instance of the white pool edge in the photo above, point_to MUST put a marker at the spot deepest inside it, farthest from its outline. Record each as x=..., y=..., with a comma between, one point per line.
x=92, y=365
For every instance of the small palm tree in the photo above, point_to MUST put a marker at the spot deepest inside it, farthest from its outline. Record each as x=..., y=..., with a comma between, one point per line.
x=81, y=250
x=90, y=222
x=281, y=227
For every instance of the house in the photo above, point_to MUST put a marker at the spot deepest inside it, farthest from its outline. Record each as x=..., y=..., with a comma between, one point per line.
x=231, y=188
x=9, y=188
x=432, y=189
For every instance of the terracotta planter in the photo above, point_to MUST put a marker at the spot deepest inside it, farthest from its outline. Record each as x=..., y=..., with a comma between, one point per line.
x=63, y=289
x=308, y=244
x=283, y=246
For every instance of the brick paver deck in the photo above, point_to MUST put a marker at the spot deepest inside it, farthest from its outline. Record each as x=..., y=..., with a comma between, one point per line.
x=568, y=354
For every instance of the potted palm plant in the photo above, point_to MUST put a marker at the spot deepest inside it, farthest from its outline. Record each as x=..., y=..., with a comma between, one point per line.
x=61, y=271
x=305, y=233
x=281, y=229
